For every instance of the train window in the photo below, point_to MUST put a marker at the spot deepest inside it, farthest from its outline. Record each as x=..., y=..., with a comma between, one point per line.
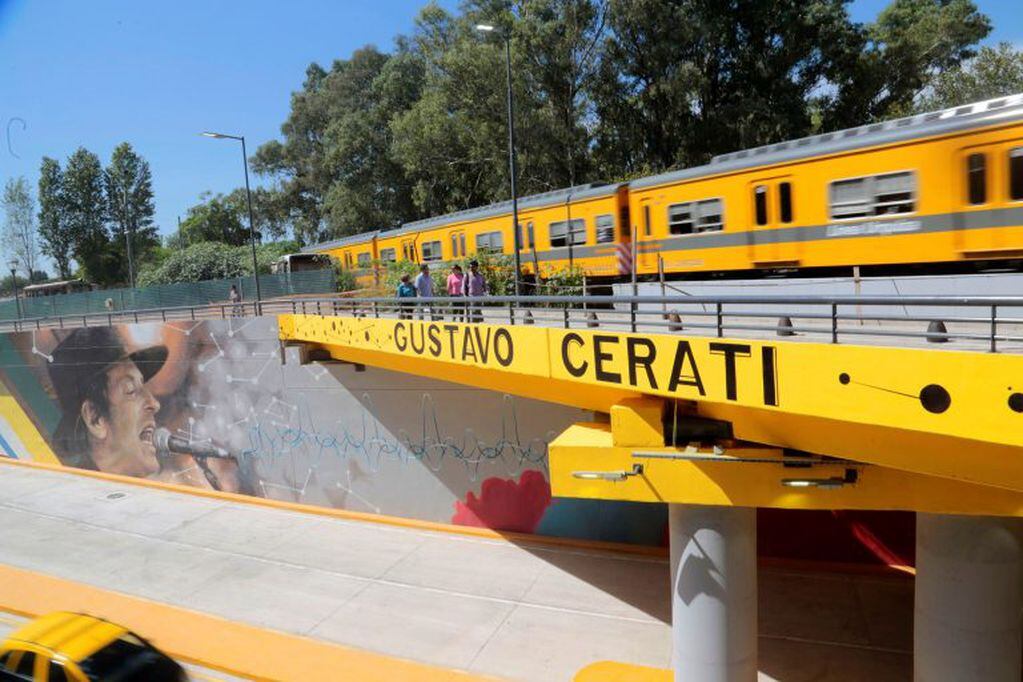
x=710, y=215
x=785, y=201
x=1016, y=174
x=490, y=241
x=364, y=260
x=431, y=251
x=976, y=178
x=563, y=230
x=680, y=219
x=605, y=229
x=454, y=246
x=849, y=199
x=646, y=219
x=388, y=255
x=461, y=243
x=760, y=202
x=526, y=238
x=894, y=193
x=348, y=260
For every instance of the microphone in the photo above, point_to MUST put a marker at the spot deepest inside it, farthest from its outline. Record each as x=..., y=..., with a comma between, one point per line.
x=168, y=444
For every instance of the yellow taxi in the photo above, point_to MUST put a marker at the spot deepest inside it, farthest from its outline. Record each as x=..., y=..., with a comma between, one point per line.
x=72, y=647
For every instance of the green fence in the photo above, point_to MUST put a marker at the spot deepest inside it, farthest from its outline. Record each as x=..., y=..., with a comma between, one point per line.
x=171, y=295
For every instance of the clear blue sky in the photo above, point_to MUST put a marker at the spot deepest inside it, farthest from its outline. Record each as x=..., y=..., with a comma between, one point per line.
x=156, y=73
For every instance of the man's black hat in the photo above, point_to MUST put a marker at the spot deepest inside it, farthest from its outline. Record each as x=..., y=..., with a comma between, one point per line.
x=85, y=354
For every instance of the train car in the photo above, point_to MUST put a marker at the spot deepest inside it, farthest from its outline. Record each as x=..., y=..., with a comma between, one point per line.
x=941, y=187
x=584, y=227
x=356, y=253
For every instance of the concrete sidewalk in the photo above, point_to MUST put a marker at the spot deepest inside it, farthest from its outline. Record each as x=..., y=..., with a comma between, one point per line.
x=526, y=612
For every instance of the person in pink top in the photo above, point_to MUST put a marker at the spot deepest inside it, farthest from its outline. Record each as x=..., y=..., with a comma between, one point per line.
x=456, y=282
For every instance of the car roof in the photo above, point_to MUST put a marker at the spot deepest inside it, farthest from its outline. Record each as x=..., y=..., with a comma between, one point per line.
x=73, y=635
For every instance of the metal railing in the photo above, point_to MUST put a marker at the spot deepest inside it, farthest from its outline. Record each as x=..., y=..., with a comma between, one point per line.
x=993, y=324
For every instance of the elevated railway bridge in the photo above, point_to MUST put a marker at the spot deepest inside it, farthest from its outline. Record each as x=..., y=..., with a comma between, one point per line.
x=718, y=406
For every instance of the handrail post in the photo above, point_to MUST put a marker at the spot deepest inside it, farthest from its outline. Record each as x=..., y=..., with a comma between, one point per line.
x=720, y=319
x=994, y=328
x=834, y=322
x=376, y=309
x=565, y=309
x=511, y=312
x=632, y=315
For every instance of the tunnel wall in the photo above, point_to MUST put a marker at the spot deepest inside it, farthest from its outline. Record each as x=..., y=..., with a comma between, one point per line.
x=326, y=434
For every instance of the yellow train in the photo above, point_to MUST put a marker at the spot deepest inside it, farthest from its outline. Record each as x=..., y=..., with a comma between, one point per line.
x=941, y=187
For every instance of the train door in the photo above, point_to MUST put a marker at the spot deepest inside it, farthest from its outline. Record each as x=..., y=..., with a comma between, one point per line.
x=982, y=183
x=773, y=211
x=642, y=234
x=527, y=243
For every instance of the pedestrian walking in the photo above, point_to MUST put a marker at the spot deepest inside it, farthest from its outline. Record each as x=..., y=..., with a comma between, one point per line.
x=406, y=291
x=424, y=289
x=456, y=282
x=236, y=301
x=474, y=286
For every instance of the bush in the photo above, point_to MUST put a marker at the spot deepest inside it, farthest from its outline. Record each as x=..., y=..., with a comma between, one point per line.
x=198, y=262
x=564, y=282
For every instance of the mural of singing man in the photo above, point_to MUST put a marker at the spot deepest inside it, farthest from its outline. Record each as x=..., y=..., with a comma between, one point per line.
x=109, y=415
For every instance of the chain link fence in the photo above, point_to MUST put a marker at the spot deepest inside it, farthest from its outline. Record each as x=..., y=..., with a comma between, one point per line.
x=171, y=295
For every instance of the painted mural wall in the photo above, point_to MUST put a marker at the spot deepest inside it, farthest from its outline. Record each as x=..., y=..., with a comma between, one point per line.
x=220, y=404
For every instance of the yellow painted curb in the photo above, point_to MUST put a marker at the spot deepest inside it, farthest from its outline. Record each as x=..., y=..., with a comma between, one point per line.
x=414, y=524
x=612, y=671
x=214, y=642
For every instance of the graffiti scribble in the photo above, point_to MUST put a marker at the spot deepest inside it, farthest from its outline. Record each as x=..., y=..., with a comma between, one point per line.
x=10, y=124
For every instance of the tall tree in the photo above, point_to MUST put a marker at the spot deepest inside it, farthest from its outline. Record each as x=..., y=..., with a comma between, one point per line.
x=905, y=50
x=19, y=234
x=53, y=222
x=128, y=186
x=85, y=203
x=994, y=72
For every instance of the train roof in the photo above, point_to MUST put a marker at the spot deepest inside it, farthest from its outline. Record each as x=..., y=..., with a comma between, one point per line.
x=343, y=241
x=955, y=119
x=559, y=196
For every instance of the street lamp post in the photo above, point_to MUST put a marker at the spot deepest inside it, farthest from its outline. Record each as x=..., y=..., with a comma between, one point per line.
x=13, y=265
x=248, y=197
x=128, y=241
x=516, y=230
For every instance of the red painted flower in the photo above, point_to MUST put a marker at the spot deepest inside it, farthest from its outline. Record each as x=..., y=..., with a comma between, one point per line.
x=504, y=504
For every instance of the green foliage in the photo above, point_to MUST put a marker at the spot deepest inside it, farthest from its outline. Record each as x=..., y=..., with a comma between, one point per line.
x=604, y=89
x=345, y=280
x=212, y=260
x=55, y=238
x=85, y=204
x=195, y=263
x=217, y=218
x=19, y=232
x=564, y=282
x=994, y=72
x=128, y=184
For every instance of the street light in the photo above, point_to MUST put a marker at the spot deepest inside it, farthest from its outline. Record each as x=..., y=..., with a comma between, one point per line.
x=13, y=265
x=127, y=238
x=487, y=28
x=248, y=197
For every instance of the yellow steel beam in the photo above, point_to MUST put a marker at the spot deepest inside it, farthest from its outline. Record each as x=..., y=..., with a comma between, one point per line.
x=943, y=413
x=584, y=461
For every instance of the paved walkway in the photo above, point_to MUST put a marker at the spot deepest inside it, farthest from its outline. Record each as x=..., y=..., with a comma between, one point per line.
x=488, y=606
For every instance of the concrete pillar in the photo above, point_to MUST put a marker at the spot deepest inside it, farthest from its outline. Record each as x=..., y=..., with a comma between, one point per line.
x=714, y=593
x=969, y=599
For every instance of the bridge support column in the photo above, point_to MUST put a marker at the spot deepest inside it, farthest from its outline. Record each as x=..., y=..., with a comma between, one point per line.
x=714, y=593
x=968, y=614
